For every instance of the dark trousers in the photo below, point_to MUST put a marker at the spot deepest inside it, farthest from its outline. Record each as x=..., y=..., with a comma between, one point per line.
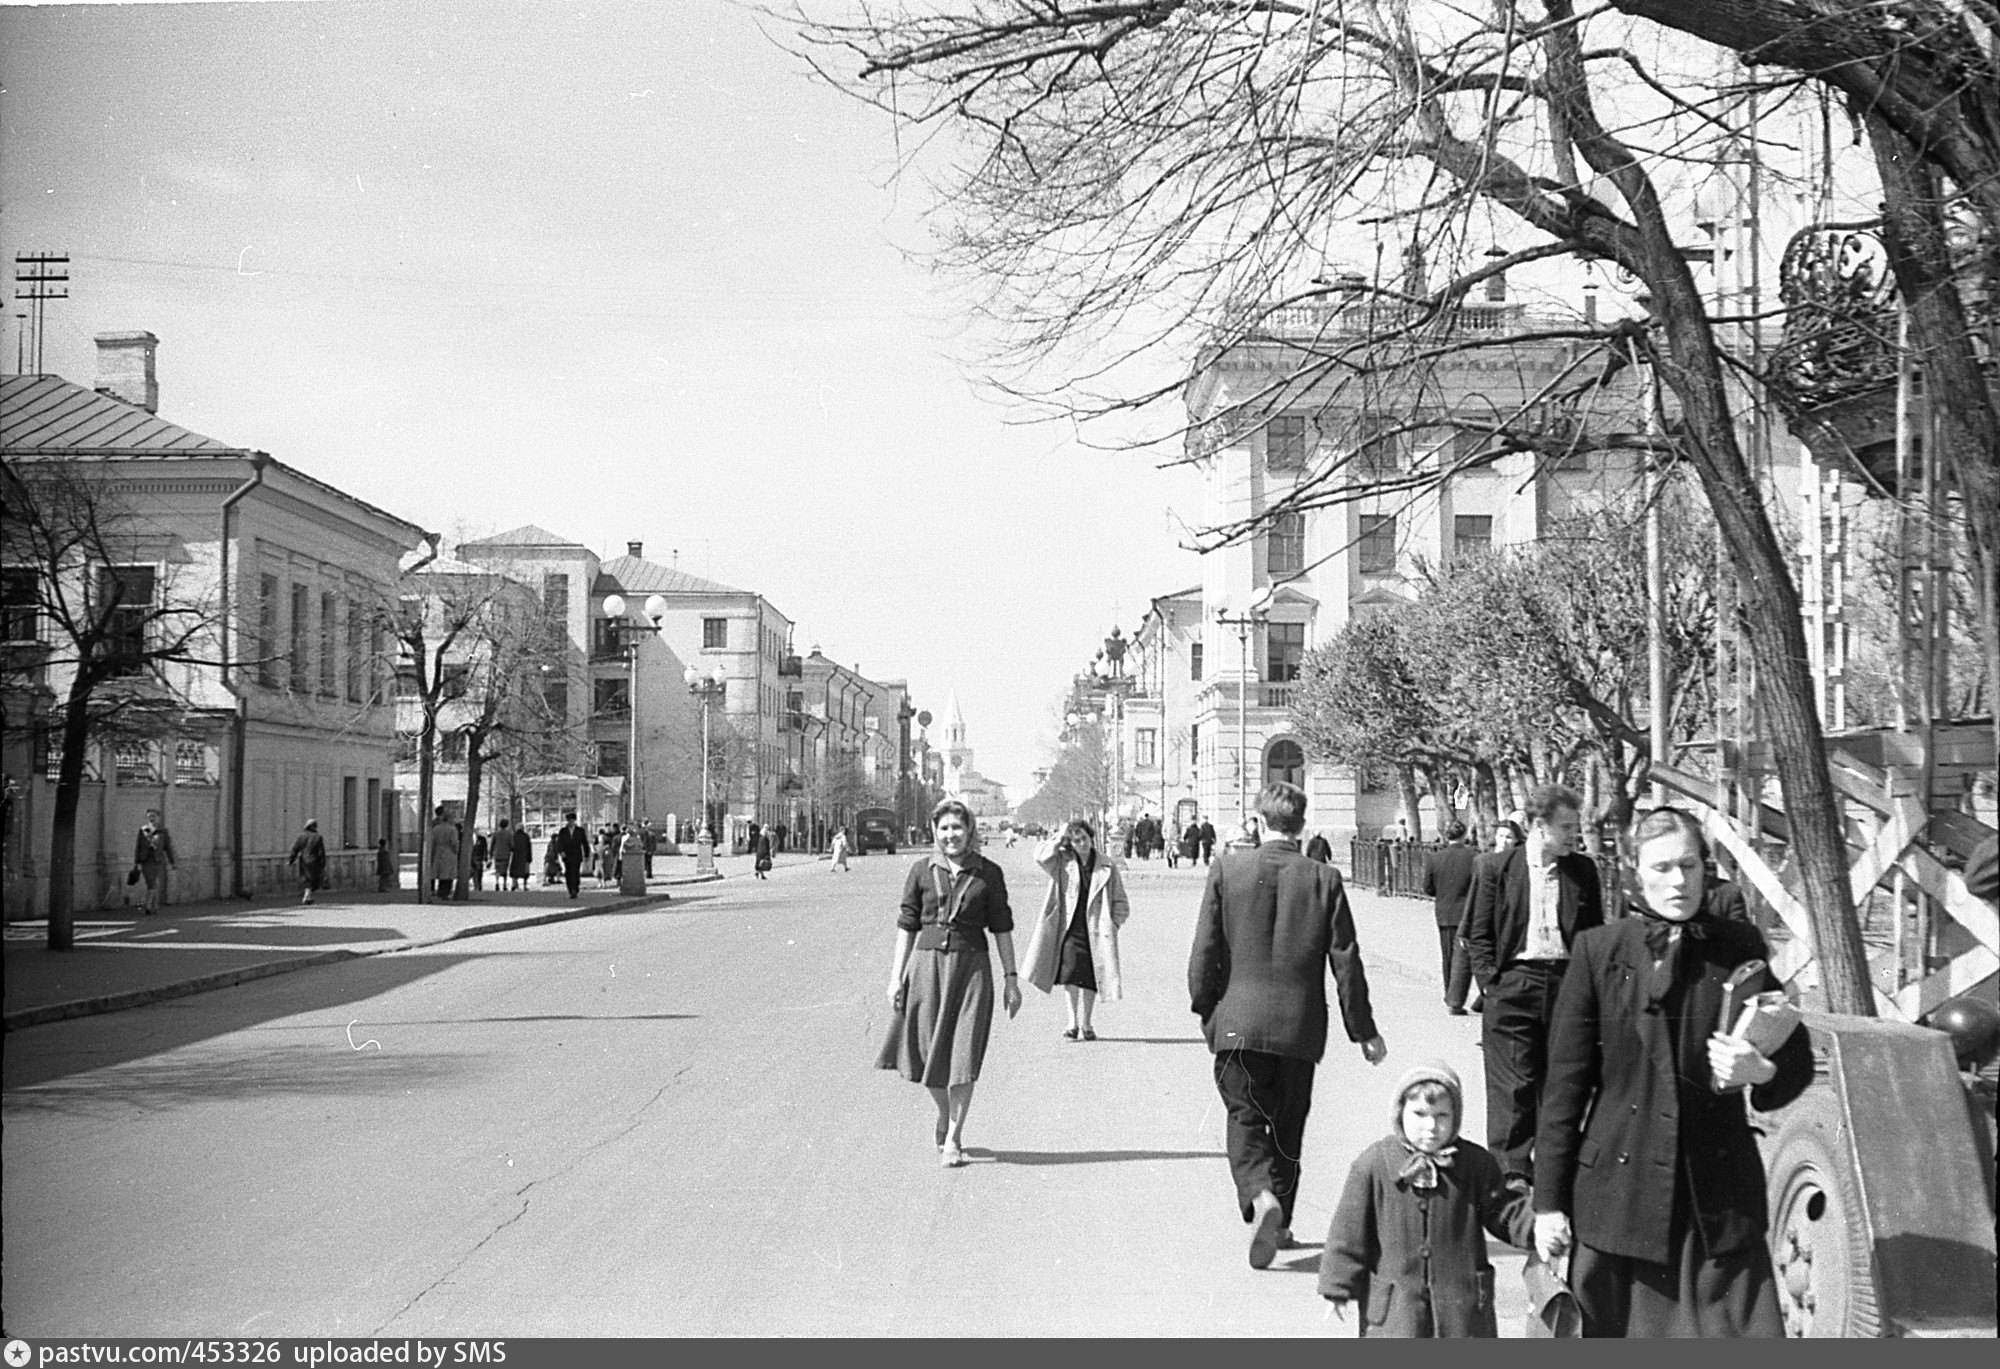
x=573, y=875
x=1520, y=1003
x=442, y=888
x=1267, y=1098
x=1448, y=951
x=1458, y=987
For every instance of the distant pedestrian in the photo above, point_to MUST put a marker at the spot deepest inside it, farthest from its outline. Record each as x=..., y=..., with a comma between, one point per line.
x=1207, y=841
x=762, y=849
x=840, y=848
x=1408, y=1241
x=1320, y=849
x=309, y=856
x=1527, y=909
x=1448, y=884
x=607, y=855
x=1191, y=843
x=443, y=869
x=153, y=856
x=1463, y=992
x=941, y=978
x=1271, y=925
x=1674, y=1243
x=503, y=851
x=1171, y=845
x=649, y=840
x=480, y=848
x=1075, y=941
x=570, y=847
x=521, y=857
x=386, y=875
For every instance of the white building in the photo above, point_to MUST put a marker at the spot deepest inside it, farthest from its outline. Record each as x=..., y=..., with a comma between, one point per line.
x=299, y=725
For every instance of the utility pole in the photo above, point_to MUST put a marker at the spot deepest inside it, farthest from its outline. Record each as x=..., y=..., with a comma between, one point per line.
x=40, y=277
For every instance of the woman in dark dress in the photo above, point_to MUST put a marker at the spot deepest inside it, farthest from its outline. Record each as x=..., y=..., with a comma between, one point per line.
x=1075, y=943
x=941, y=978
x=1644, y=1160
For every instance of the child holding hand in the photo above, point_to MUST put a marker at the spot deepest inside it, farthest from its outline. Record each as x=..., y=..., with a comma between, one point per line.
x=1408, y=1241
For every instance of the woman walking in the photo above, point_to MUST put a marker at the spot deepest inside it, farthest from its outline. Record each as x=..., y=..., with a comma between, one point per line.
x=941, y=978
x=309, y=855
x=1644, y=1160
x=153, y=856
x=521, y=852
x=840, y=848
x=607, y=855
x=1075, y=943
x=762, y=848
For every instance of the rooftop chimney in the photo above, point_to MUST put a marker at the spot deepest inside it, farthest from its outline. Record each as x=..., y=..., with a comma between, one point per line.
x=125, y=369
x=636, y=550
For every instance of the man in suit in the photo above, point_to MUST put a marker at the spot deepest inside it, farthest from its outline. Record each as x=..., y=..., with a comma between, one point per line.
x=1448, y=882
x=1527, y=907
x=1207, y=841
x=1271, y=919
x=572, y=847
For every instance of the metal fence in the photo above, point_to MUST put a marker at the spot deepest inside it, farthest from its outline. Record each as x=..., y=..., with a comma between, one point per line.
x=1397, y=868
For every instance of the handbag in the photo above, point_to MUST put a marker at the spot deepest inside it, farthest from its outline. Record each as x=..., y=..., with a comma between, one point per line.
x=132, y=875
x=1553, y=1313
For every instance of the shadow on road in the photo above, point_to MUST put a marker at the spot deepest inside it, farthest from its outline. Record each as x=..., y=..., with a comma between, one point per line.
x=296, y=1070
x=1155, y=1040
x=539, y=1017
x=1087, y=1157
x=36, y=1056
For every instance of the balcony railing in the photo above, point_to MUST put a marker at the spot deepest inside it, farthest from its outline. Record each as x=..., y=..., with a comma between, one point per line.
x=1262, y=693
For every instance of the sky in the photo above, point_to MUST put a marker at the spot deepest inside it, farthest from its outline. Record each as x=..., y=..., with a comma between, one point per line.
x=621, y=270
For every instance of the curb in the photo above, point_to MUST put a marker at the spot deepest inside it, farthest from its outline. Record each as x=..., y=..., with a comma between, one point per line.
x=264, y=969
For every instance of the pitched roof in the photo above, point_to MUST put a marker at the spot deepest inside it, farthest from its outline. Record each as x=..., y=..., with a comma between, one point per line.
x=635, y=575
x=527, y=535
x=50, y=414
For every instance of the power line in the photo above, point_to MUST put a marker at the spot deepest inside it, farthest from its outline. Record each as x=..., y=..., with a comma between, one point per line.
x=38, y=272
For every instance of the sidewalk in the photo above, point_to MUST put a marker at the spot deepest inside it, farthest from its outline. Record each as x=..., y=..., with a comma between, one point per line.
x=122, y=960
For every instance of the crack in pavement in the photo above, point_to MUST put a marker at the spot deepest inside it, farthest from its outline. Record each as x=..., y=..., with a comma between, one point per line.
x=521, y=1193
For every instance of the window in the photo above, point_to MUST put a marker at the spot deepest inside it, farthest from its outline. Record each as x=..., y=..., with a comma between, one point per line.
x=357, y=649
x=1145, y=747
x=192, y=763
x=611, y=758
x=20, y=605
x=451, y=748
x=1378, y=445
x=1285, y=763
x=714, y=634
x=301, y=636
x=555, y=607
x=1471, y=535
x=1285, y=648
x=1194, y=742
x=1288, y=442
x=610, y=698
x=604, y=636
x=1194, y=660
x=136, y=763
x=329, y=623
x=378, y=638
x=407, y=685
x=1285, y=545
x=350, y=802
x=267, y=631
x=127, y=592
x=555, y=696
x=1467, y=447
x=1378, y=543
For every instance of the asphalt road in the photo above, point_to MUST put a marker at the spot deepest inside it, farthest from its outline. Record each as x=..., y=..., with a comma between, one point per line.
x=665, y=1122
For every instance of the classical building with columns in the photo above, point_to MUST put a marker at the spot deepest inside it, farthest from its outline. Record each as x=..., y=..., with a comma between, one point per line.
x=1217, y=664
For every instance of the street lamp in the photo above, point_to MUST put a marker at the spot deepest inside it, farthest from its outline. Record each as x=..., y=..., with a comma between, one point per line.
x=1242, y=622
x=626, y=636
x=706, y=688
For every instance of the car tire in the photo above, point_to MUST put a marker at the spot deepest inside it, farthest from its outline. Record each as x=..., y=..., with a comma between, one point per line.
x=1820, y=1254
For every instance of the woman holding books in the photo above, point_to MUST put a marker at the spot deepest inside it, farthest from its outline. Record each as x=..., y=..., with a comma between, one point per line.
x=1646, y=1169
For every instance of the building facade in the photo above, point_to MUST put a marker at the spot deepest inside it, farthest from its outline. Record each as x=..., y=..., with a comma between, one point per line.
x=285, y=715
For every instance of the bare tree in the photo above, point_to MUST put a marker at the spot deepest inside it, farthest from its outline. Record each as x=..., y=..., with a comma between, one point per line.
x=1154, y=182
x=104, y=616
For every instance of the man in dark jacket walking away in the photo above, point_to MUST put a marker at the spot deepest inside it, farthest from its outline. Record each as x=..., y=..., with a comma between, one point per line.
x=1207, y=841
x=571, y=845
x=1527, y=907
x=309, y=855
x=1270, y=921
x=1448, y=882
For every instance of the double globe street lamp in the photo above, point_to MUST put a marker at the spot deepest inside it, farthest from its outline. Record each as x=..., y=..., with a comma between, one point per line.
x=1226, y=615
x=625, y=637
x=708, y=688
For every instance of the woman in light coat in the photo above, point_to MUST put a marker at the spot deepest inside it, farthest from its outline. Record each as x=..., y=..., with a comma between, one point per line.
x=1075, y=943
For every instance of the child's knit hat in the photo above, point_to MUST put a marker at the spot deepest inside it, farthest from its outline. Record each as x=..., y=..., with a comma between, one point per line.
x=1430, y=1072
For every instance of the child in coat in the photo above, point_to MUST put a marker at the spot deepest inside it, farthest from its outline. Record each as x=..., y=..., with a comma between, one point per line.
x=1408, y=1241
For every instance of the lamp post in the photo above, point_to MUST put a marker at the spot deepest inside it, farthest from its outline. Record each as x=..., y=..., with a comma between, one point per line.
x=706, y=688
x=626, y=636
x=905, y=711
x=1242, y=623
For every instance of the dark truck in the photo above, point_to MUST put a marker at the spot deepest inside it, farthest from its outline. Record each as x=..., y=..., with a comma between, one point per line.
x=875, y=830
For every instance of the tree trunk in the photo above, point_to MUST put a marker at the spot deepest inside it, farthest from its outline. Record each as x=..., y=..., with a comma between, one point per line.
x=1406, y=781
x=474, y=765
x=1773, y=624
x=1486, y=795
x=62, y=831
x=426, y=784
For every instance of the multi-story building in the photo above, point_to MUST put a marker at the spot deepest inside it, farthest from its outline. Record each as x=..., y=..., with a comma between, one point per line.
x=284, y=712
x=1220, y=662
x=644, y=723
x=987, y=798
